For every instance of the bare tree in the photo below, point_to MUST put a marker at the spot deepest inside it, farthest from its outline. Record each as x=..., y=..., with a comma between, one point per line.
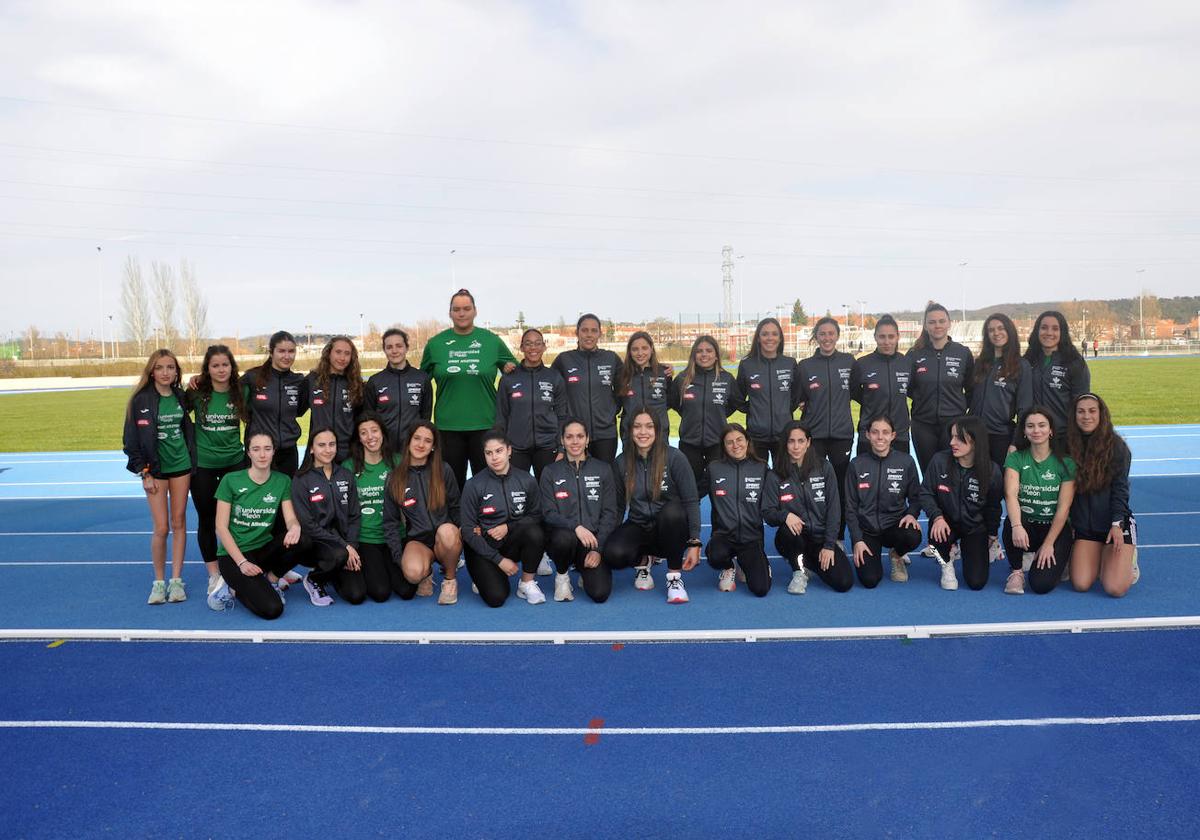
x=163, y=285
x=195, y=307
x=135, y=305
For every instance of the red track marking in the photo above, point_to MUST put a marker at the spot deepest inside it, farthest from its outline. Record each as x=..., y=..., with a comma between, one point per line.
x=618, y=646
x=594, y=737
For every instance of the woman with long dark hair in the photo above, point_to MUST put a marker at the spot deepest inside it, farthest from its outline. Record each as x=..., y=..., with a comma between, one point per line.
x=879, y=384
x=371, y=460
x=802, y=500
x=1039, y=487
x=1105, y=530
x=643, y=381
x=161, y=446
x=823, y=384
x=276, y=398
x=736, y=484
x=705, y=394
x=1059, y=373
x=219, y=405
x=941, y=368
x=590, y=374
x=335, y=391
x=531, y=403
x=400, y=394
x=766, y=378
x=325, y=498
x=1001, y=386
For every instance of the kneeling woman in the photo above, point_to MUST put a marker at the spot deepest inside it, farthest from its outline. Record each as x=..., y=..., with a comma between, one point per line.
x=802, y=500
x=882, y=503
x=260, y=536
x=370, y=461
x=325, y=497
x=961, y=495
x=420, y=514
x=1039, y=486
x=655, y=484
x=1105, y=531
x=502, y=526
x=735, y=483
x=579, y=512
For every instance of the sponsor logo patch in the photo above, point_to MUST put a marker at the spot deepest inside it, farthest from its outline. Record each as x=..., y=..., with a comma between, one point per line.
x=786, y=497
x=317, y=497
x=562, y=494
x=487, y=509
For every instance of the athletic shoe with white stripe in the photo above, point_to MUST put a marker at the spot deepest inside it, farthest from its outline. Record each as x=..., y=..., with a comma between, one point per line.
x=725, y=581
x=176, y=591
x=1015, y=585
x=531, y=592
x=642, y=579
x=799, y=582
x=158, y=592
x=316, y=592
x=949, y=579
x=676, y=591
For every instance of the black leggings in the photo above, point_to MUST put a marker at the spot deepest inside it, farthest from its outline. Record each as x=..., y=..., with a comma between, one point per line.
x=328, y=564
x=839, y=576
x=524, y=544
x=565, y=549
x=750, y=556
x=666, y=537
x=255, y=591
x=902, y=540
x=837, y=450
x=381, y=576
x=459, y=448
x=698, y=458
x=539, y=459
x=204, y=497
x=974, y=554
x=929, y=439
x=998, y=446
x=1041, y=581
x=604, y=450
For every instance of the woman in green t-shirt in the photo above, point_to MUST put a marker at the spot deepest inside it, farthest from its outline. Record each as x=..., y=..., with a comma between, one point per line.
x=463, y=361
x=371, y=460
x=1039, y=485
x=159, y=442
x=219, y=405
x=259, y=532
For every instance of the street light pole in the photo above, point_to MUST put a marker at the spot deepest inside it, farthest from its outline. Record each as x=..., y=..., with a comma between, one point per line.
x=1141, y=312
x=362, y=336
x=100, y=282
x=1084, y=325
x=453, y=276
x=963, y=286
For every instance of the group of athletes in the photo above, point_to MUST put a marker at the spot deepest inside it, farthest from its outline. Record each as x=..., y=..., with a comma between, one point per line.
x=381, y=496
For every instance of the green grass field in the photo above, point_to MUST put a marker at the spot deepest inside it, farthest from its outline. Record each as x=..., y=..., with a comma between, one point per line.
x=1138, y=391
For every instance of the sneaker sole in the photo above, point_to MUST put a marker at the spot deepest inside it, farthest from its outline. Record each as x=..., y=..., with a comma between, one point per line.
x=677, y=600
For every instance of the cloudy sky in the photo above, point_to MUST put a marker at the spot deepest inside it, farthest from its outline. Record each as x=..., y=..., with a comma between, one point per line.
x=315, y=160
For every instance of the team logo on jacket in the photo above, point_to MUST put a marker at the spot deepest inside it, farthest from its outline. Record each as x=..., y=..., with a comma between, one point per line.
x=269, y=498
x=516, y=395
x=143, y=422
x=318, y=401
x=453, y=369
x=786, y=497
x=559, y=481
x=262, y=397
x=562, y=494
x=317, y=497
x=409, y=502
x=942, y=488
x=719, y=492
x=384, y=398
x=487, y=509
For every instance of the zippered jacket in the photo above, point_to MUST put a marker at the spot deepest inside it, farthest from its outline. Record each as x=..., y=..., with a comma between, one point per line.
x=400, y=398
x=1095, y=513
x=952, y=491
x=646, y=389
x=766, y=386
x=999, y=400
x=275, y=408
x=879, y=384
x=938, y=381
x=823, y=386
x=413, y=510
x=327, y=508
x=531, y=405
x=704, y=406
x=580, y=494
x=489, y=500
x=140, y=436
x=590, y=376
x=735, y=489
x=331, y=409
x=814, y=499
x=880, y=492
x=676, y=482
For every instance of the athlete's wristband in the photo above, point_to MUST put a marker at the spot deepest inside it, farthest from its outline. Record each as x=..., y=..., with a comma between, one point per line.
x=693, y=543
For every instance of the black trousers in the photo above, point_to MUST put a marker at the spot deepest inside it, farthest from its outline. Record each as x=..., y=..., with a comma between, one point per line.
x=566, y=550
x=1041, y=581
x=929, y=439
x=604, y=450
x=698, y=458
x=974, y=548
x=538, y=459
x=750, y=556
x=837, y=450
x=204, y=497
x=381, y=576
x=839, y=576
x=666, y=537
x=459, y=448
x=998, y=446
x=328, y=564
x=524, y=544
x=903, y=540
x=255, y=592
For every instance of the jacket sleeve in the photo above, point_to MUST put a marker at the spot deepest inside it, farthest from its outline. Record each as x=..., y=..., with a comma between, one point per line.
x=737, y=398
x=968, y=368
x=502, y=406
x=609, y=517
x=618, y=471
x=1118, y=491
x=1025, y=388
x=550, y=513
x=1081, y=381
x=453, y=497
x=308, y=519
x=561, y=409
x=682, y=478
x=833, y=506
x=799, y=392
x=856, y=382
x=673, y=394
x=533, y=506
x=354, y=518
x=928, y=493
x=772, y=511
x=393, y=526
x=469, y=521
x=304, y=398
x=914, y=490
x=427, y=398
x=991, y=507
x=140, y=447
x=131, y=445
x=852, y=502
x=370, y=395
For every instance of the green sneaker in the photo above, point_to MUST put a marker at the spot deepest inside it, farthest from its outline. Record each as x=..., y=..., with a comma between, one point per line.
x=158, y=593
x=176, y=591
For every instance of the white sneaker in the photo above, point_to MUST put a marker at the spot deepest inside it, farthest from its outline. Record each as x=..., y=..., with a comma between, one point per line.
x=1015, y=585
x=316, y=593
x=531, y=592
x=725, y=581
x=929, y=551
x=676, y=591
x=545, y=568
x=799, y=583
x=899, y=569
x=219, y=598
x=1137, y=571
x=562, y=588
x=995, y=551
x=955, y=553
x=289, y=578
x=949, y=579
x=642, y=579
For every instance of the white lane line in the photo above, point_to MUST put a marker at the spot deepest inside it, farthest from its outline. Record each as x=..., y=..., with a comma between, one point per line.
x=1163, y=475
x=1168, y=513
x=575, y=731
x=79, y=461
x=59, y=483
x=1150, y=460
x=69, y=498
x=78, y=533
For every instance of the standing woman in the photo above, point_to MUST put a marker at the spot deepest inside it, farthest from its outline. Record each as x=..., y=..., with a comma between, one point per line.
x=259, y=533
x=161, y=446
x=219, y=405
x=502, y=526
x=325, y=499
x=765, y=380
x=371, y=459
x=1039, y=487
x=335, y=392
x=400, y=394
x=879, y=384
x=655, y=484
x=420, y=514
x=803, y=501
x=276, y=397
x=705, y=395
x=882, y=505
x=941, y=371
x=531, y=403
x=1060, y=374
x=1105, y=531
x=643, y=381
x=463, y=362
x=1001, y=386
x=579, y=511
x=824, y=389
x=961, y=494
x=590, y=373
x=736, y=482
